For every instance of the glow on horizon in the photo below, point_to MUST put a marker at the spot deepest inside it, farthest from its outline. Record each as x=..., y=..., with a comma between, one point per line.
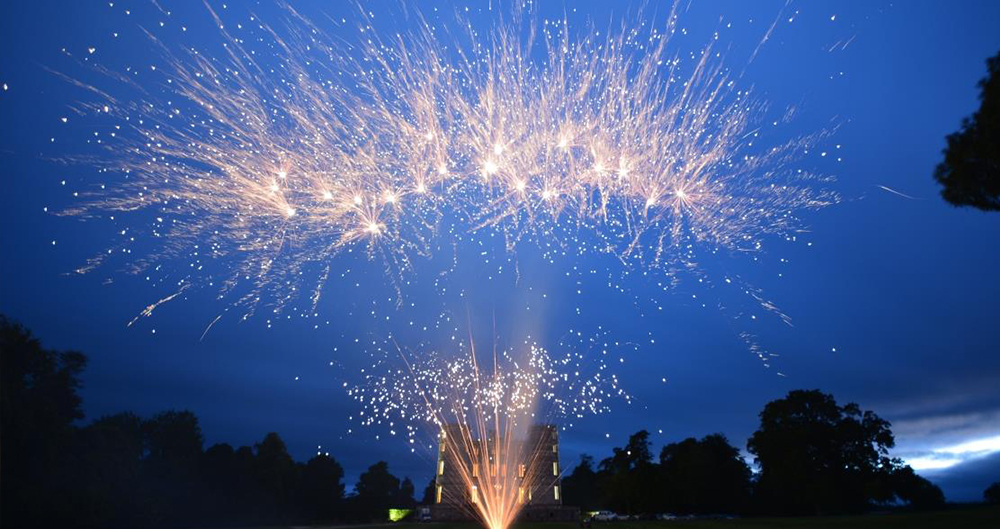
x=949, y=456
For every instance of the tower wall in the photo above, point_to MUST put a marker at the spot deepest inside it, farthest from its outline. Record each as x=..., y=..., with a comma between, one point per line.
x=538, y=451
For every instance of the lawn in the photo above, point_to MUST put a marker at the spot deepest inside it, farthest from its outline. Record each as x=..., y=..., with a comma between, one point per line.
x=956, y=518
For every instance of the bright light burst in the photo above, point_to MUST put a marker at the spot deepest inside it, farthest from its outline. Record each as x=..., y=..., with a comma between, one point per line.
x=482, y=409
x=262, y=163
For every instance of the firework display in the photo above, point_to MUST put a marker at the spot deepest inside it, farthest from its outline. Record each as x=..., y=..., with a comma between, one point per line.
x=251, y=169
x=257, y=166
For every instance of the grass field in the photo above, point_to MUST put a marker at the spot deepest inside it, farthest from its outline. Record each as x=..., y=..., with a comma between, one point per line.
x=956, y=518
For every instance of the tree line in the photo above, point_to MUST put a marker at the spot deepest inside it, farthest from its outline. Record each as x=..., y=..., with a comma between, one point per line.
x=123, y=470
x=814, y=457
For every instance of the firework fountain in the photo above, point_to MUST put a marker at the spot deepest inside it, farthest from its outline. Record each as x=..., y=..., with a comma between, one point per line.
x=494, y=455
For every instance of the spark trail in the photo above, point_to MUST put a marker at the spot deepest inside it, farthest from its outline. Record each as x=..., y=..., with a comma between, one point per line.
x=253, y=168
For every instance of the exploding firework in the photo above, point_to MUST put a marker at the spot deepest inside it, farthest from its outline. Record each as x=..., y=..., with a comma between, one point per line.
x=259, y=165
x=494, y=456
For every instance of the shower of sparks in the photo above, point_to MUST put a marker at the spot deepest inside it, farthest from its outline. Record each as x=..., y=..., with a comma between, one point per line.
x=257, y=165
x=406, y=390
x=495, y=468
x=482, y=412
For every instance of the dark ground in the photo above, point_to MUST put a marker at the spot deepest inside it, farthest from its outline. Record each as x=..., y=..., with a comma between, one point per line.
x=973, y=517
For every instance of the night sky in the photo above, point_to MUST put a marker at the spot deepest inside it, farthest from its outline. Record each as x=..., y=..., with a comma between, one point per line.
x=893, y=295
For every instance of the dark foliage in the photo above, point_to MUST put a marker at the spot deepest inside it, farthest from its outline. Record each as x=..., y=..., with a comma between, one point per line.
x=692, y=477
x=582, y=487
x=816, y=457
x=428, y=496
x=992, y=493
x=970, y=172
x=915, y=490
x=378, y=490
x=628, y=477
x=38, y=404
x=321, y=487
x=126, y=471
x=706, y=476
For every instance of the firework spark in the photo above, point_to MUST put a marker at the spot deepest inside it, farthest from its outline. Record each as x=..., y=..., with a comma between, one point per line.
x=261, y=164
x=404, y=390
x=484, y=413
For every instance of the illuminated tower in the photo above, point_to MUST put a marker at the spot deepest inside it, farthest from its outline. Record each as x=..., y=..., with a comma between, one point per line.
x=531, y=466
x=449, y=486
x=543, y=452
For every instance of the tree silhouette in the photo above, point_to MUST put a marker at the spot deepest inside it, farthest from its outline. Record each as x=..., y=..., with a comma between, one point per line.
x=38, y=405
x=628, y=477
x=706, y=476
x=582, y=487
x=915, y=490
x=110, y=453
x=992, y=493
x=123, y=471
x=173, y=443
x=429, y=490
x=818, y=457
x=378, y=491
x=970, y=172
x=321, y=488
x=404, y=499
x=223, y=473
x=275, y=471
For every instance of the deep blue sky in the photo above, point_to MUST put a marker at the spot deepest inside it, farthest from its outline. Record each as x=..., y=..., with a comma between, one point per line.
x=895, y=304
